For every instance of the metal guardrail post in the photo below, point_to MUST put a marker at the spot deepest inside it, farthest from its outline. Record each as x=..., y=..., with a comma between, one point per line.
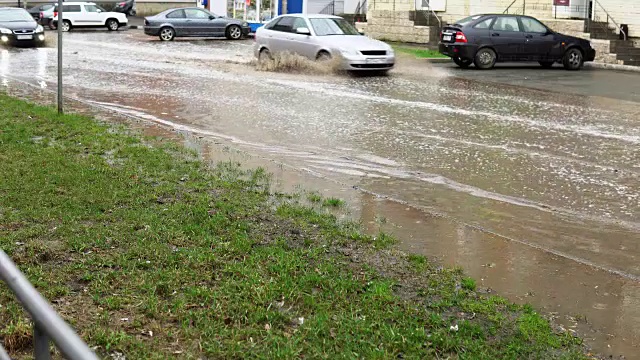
x=47, y=323
x=3, y=354
x=40, y=343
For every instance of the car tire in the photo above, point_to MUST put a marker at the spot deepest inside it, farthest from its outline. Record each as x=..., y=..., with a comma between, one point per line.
x=167, y=34
x=323, y=56
x=463, y=63
x=234, y=32
x=546, y=64
x=66, y=25
x=113, y=25
x=52, y=25
x=485, y=59
x=573, y=59
x=131, y=12
x=264, y=55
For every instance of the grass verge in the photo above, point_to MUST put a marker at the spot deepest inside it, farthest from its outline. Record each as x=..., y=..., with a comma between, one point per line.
x=420, y=53
x=149, y=253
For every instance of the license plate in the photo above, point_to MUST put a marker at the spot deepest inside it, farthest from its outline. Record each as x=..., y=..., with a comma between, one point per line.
x=24, y=37
x=446, y=38
x=376, y=61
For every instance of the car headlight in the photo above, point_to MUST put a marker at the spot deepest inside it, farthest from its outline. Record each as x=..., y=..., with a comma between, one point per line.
x=348, y=52
x=5, y=31
x=245, y=24
x=391, y=52
x=39, y=29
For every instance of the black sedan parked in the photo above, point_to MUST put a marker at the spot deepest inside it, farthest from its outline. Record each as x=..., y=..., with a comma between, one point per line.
x=193, y=22
x=486, y=39
x=17, y=27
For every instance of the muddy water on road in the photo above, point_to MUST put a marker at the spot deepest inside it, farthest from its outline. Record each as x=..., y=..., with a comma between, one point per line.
x=536, y=194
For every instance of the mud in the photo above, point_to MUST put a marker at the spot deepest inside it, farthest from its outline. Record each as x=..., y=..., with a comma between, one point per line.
x=533, y=192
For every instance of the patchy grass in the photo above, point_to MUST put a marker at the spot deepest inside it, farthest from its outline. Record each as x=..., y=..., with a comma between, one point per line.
x=148, y=252
x=419, y=52
x=333, y=202
x=314, y=198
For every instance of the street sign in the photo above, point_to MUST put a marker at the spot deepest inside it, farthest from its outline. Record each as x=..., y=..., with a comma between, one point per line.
x=561, y=2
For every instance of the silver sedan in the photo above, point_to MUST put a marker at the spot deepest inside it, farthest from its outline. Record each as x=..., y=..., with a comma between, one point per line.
x=193, y=22
x=320, y=37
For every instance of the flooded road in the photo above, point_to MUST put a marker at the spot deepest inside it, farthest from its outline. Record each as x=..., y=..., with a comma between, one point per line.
x=527, y=178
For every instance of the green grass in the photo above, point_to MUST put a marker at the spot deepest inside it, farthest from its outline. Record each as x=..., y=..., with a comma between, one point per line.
x=418, y=52
x=148, y=252
x=333, y=202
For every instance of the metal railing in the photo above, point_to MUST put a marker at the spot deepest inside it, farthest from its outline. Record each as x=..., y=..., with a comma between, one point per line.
x=361, y=8
x=524, y=4
x=329, y=9
x=593, y=15
x=47, y=325
x=427, y=14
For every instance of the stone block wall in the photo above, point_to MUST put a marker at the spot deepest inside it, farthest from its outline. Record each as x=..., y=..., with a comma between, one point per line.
x=395, y=26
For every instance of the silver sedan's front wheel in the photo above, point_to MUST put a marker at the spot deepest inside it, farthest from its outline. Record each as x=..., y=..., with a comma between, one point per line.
x=167, y=34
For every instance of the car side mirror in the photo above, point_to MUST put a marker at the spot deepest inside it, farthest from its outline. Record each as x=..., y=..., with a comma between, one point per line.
x=211, y=17
x=98, y=11
x=303, y=31
x=360, y=32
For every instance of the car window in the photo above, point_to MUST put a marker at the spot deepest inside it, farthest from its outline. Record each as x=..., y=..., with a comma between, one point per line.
x=484, y=24
x=467, y=20
x=196, y=14
x=506, y=23
x=46, y=7
x=533, y=25
x=178, y=14
x=285, y=24
x=298, y=23
x=332, y=26
x=92, y=8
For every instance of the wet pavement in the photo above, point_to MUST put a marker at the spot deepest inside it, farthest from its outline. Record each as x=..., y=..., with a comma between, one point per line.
x=527, y=178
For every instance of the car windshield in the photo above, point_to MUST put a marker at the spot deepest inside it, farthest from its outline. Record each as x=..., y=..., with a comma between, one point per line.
x=15, y=15
x=332, y=26
x=467, y=20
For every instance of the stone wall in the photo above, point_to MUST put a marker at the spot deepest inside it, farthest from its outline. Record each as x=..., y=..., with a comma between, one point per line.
x=147, y=8
x=395, y=26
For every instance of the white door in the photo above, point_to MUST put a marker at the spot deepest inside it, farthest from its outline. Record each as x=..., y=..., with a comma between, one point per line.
x=91, y=16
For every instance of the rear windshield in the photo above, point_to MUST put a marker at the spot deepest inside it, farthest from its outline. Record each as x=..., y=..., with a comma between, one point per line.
x=467, y=20
x=17, y=15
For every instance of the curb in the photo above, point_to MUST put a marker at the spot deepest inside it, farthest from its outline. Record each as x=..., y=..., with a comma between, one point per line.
x=594, y=65
x=438, y=60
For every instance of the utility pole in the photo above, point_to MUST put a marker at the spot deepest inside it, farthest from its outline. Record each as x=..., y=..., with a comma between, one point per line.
x=60, y=23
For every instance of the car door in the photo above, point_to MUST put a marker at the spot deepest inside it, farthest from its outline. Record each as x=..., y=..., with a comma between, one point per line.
x=199, y=23
x=301, y=44
x=280, y=34
x=178, y=20
x=507, y=38
x=539, y=40
x=92, y=16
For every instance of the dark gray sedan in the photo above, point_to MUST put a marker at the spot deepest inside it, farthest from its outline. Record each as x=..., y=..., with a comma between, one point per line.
x=193, y=22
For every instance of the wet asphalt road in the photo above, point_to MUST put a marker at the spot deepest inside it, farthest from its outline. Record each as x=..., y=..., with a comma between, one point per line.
x=544, y=162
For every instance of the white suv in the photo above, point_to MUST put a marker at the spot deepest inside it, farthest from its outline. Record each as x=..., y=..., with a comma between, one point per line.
x=88, y=14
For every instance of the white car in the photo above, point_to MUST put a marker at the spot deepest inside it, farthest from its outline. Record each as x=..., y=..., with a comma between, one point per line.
x=88, y=14
x=320, y=37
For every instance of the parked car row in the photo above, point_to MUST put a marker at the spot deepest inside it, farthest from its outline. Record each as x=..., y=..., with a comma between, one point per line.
x=45, y=13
